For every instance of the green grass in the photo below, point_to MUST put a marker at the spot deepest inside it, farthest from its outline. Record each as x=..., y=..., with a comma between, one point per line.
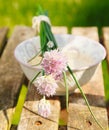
x=106, y=79
x=61, y=12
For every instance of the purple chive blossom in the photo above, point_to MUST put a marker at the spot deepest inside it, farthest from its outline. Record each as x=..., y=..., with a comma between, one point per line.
x=46, y=85
x=54, y=62
x=44, y=108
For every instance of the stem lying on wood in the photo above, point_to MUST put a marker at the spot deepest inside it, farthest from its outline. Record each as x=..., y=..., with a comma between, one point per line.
x=66, y=86
x=87, y=103
x=21, y=100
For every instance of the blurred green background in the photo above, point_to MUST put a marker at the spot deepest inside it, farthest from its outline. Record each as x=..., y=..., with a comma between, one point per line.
x=61, y=12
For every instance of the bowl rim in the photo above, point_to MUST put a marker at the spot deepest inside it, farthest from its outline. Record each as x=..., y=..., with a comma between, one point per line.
x=79, y=69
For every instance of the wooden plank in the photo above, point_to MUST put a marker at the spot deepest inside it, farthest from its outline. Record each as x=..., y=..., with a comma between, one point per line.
x=11, y=75
x=30, y=117
x=96, y=86
x=59, y=30
x=3, y=36
x=90, y=32
x=94, y=91
x=81, y=119
x=31, y=120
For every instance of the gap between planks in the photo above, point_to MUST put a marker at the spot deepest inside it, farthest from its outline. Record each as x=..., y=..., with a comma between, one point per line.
x=105, y=34
x=3, y=38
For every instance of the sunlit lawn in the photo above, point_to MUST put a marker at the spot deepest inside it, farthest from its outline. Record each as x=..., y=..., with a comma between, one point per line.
x=61, y=12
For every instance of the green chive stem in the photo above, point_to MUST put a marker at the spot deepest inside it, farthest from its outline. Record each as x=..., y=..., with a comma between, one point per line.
x=79, y=87
x=66, y=86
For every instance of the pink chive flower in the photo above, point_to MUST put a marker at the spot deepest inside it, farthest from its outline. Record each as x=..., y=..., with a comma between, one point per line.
x=44, y=108
x=54, y=62
x=46, y=85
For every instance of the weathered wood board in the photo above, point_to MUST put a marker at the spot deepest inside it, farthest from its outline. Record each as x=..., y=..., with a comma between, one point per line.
x=31, y=120
x=11, y=75
x=78, y=116
x=59, y=30
x=94, y=91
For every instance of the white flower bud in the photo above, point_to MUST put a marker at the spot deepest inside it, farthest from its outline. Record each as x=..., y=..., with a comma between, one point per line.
x=44, y=108
x=50, y=44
